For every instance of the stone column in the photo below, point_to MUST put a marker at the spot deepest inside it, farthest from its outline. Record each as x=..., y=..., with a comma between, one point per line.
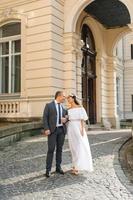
x=79, y=57
x=72, y=63
x=99, y=64
x=108, y=81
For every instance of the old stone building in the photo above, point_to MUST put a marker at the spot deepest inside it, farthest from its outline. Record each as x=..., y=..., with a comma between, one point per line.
x=50, y=45
x=124, y=83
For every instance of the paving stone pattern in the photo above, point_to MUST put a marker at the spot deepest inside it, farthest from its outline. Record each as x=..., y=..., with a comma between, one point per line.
x=22, y=168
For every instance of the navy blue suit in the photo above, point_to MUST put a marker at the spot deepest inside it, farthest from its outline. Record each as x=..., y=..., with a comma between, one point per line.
x=57, y=136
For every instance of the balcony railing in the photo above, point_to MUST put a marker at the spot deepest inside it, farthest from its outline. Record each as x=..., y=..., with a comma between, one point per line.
x=9, y=107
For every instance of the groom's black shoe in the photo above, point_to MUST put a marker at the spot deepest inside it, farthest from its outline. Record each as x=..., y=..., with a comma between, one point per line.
x=48, y=174
x=59, y=171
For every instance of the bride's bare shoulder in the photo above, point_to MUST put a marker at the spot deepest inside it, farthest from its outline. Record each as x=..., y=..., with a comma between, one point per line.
x=71, y=108
x=79, y=106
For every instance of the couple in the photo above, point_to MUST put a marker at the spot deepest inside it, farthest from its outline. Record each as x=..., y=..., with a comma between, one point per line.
x=55, y=119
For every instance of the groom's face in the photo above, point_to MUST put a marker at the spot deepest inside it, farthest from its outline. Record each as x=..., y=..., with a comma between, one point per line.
x=62, y=98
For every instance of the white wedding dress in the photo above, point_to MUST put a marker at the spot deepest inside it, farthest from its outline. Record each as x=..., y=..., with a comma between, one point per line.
x=79, y=145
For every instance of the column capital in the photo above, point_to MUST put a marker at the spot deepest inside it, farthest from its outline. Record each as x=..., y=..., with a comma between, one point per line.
x=130, y=26
x=71, y=42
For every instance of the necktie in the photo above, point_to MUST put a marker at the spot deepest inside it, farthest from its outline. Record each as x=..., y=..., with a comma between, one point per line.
x=59, y=111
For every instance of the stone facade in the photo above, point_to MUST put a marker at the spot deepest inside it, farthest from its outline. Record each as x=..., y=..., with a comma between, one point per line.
x=51, y=55
x=128, y=77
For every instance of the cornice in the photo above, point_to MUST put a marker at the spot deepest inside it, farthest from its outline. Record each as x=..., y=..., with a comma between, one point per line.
x=61, y=1
x=12, y=3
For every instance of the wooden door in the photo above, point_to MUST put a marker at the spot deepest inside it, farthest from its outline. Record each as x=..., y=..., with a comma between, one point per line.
x=89, y=74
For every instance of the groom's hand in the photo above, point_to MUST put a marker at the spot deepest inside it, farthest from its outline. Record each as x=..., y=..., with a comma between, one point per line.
x=63, y=120
x=47, y=132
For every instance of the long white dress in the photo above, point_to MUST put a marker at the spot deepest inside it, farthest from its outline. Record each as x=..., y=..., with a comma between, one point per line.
x=79, y=145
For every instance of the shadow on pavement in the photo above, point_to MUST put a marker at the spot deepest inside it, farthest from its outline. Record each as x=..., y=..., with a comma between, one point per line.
x=28, y=156
x=40, y=183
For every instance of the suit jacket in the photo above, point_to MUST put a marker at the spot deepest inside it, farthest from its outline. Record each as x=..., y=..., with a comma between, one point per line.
x=50, y=117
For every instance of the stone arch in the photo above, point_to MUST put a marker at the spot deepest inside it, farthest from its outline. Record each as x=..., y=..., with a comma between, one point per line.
x=112, y=37
x=105, y=39
x=71, y=20
x=95, y=28
x=129, y=6
x=8, y=21
x=73, y=15
x=117, y=39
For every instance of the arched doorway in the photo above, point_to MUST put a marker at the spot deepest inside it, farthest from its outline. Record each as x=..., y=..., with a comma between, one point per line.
x=88, y=73
x=105, y=29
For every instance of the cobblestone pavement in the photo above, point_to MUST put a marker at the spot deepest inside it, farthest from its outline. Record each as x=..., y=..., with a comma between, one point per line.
x=22, y=168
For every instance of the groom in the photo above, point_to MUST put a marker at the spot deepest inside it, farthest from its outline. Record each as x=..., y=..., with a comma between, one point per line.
x=54, y=127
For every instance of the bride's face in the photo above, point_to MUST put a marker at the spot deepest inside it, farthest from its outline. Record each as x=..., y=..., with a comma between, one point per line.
x=70, y=99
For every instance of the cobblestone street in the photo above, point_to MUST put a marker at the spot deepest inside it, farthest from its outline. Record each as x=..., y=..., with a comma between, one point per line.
x=22, y=168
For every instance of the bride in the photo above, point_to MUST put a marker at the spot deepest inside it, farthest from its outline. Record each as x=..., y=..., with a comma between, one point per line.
x=77, y=137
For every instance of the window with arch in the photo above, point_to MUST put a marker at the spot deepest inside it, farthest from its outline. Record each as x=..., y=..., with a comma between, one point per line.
x=10, y=58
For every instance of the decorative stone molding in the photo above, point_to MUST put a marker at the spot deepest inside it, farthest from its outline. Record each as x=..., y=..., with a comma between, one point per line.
x=130, y=26
x=12, y=14
x=8, y=12
x=61, y=1
x=13, y=3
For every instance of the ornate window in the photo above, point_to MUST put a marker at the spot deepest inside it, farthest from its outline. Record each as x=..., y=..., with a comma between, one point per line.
x=10, y=58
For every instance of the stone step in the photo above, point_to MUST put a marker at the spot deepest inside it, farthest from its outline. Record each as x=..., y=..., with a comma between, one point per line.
x=95, y=127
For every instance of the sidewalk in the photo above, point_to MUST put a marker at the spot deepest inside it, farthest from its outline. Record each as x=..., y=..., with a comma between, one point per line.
x=22, y=168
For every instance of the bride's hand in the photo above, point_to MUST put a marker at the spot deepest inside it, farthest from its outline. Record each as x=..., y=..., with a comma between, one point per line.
x=82, y=127
x=82, y=131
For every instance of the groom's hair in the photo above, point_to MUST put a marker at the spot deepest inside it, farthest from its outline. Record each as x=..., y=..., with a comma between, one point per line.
x=58, y=93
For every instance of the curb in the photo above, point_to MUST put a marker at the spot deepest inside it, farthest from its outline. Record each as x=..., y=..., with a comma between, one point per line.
x=119, y=164
x=14, y=133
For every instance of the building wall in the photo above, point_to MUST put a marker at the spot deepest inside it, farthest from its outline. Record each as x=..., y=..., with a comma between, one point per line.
x=42, y=53
x=128, y=76
x=119, y=52
x=51, y=56
x=125, y=75
x=106, y=64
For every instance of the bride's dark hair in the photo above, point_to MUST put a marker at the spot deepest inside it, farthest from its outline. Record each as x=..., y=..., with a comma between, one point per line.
x=75, y=99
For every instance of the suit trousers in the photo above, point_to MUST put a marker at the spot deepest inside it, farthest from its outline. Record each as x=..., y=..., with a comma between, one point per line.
x=55, y=139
